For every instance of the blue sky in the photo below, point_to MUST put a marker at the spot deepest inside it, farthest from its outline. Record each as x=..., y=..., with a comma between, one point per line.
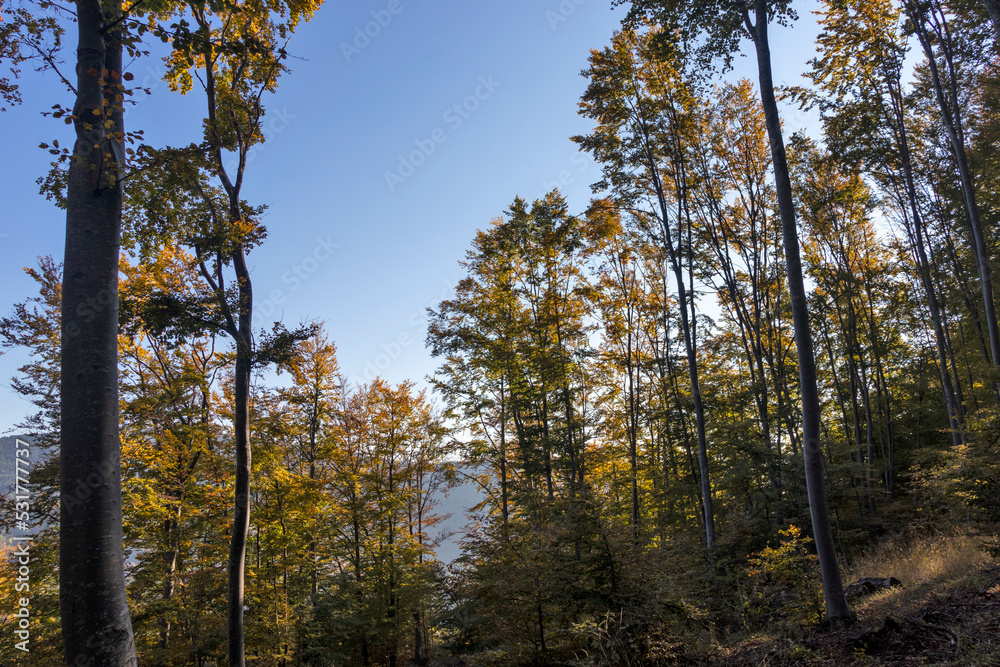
x=405, y=126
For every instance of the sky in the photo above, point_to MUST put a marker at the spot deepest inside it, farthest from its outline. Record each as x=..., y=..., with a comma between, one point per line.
x=402, y=128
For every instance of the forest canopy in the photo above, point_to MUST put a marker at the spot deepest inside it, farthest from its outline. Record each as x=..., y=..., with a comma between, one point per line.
x=705, y=415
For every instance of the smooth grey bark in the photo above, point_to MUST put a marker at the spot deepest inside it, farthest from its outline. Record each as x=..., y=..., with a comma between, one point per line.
x=993, y=7
x=953, y=406
x=236, y=567
x=238, y=326
x=837, y=608
x=951, y=115
x=96, y=628
x=687, y=332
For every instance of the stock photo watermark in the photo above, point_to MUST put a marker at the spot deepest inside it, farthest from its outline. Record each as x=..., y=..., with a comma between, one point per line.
x=274, y=126
x=22, y=546
x=364, y=35
x=567, y=177
x=454, y=117
x=562, y=12
x=393, y=349
x=299, y=273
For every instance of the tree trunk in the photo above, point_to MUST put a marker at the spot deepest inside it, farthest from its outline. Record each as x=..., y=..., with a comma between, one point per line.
x=632, y=440
x=503, y=456
x=950, y=114
x=96, y=628
x=170, y=568
x=837, y=608
x=687, y=331
x=243, y=338
x=241, y=507
x=953, y=406
x=993, y=7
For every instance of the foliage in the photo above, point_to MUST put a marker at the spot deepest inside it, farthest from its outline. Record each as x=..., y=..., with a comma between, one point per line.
x=27, y=34
x=621, y=385
x=785, y=581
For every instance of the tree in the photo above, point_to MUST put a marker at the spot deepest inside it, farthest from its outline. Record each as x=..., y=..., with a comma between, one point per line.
x=476, y=333
x=174, y=493
x=618, y=297
x=316, y=381
x=861, y=71
x=853, y=273
x=993, y=7
x=27, y=35
x=518, y=320
x=34, y=326
x=721, y=24
x=929, y=22
x=645, y=110
x=95, y=616
x=386, y=458
x=238, y=52
x=740, y=238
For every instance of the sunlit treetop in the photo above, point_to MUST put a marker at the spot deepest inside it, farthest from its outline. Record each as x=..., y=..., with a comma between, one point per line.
x=708, y=30
x=25, y=35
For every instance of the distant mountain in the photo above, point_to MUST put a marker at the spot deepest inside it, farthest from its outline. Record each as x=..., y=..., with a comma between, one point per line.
x=8, y=447
x=8, y=467
x=7, y=470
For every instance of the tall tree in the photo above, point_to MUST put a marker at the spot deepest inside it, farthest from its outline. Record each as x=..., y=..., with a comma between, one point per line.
x=930, y=22
x=740, y=234
x=861, y=70
x=644, y=109
x=95, y=616
x=238, y=54
x=718, y=26
x=618, y=297
x=174, y=493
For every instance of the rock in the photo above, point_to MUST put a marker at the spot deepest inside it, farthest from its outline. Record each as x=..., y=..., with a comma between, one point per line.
x=868, y=585
x=907, y=637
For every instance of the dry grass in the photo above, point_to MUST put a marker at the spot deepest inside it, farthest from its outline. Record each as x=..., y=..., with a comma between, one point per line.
x=951, y=590
x=930, y=567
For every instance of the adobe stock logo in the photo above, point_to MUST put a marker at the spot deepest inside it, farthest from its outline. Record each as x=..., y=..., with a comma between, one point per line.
x=455, y=116
x=298, y=273
x=393, y=349
x=562, y=13
x=363, y=35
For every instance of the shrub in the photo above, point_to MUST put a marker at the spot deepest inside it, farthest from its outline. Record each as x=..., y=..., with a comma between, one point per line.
x=784, y=581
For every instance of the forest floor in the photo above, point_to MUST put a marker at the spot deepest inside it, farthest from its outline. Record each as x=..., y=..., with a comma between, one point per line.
x=946, y=612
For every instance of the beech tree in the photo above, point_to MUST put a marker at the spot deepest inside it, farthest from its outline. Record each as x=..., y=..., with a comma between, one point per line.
x=721, y=25
x=740, y=240
x=172, y=467
x=644, y=109
x=861, y=71
x=930, y=22
x=620, y=384
x=94, y=609
x=238, y=53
